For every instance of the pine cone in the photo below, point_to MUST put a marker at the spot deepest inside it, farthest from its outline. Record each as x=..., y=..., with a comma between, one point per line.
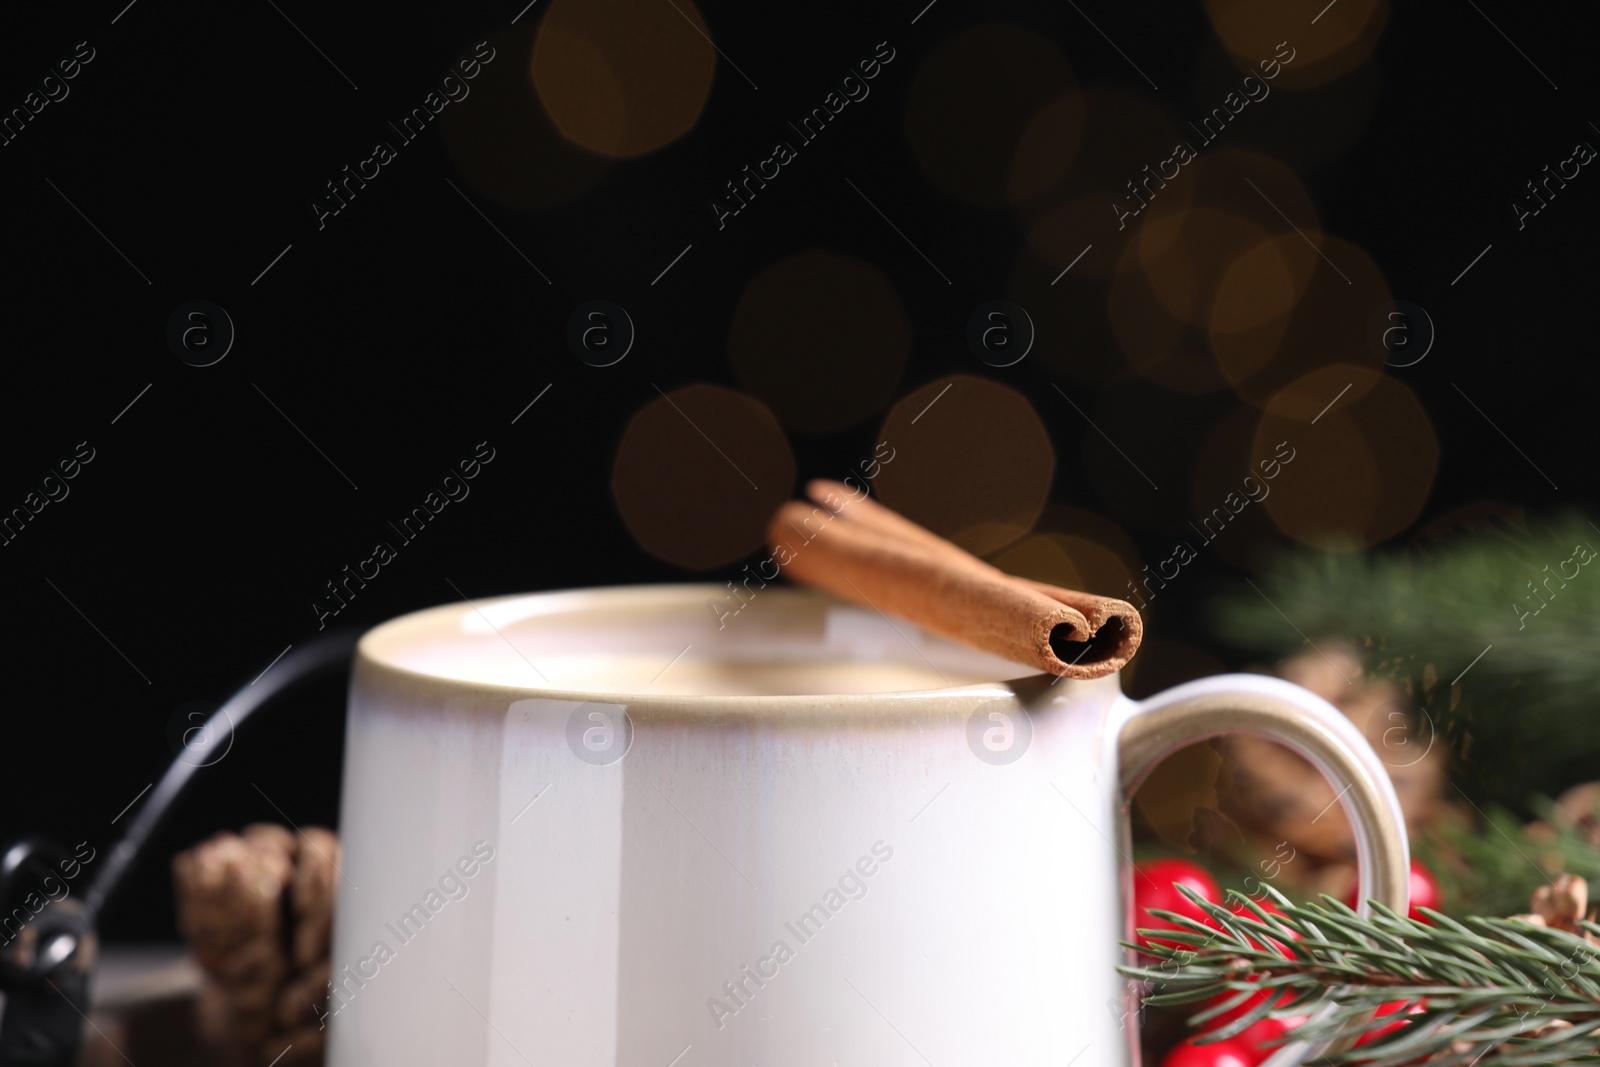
x=1270, y=790
x=1563, y=902
x=257, y=910
x=1580, y=805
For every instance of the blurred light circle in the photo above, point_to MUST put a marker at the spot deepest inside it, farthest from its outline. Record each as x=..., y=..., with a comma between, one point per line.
x=822, y=338
x=1362, y=471
x=699, y=473
x=1069, y=561
x=1071, y=332
x=1262, y=284
x=973, y=100
x=1091, y=526
x=623, y=77
x=1148, y=433
x=1324, y=326
x=1306, y=127
x=1102, y=570
x=1250, y=185
x=1042, y=558
x=1062, y=237
x=1232, y=477
x=1046, y=148
x=972, y=462
x=1257, y=32
x=579, y=90
x=1179, y=252
x=1161, y=346
x=1000, y=333
x=1122, y=134
x=1400, y=333
x=1162, y=664
x=1074, y=549
x=1212, y=262
x=504, y=145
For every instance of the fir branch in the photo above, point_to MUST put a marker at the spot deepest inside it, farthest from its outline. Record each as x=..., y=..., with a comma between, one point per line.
x=1492, y=992
x=1494, y=867
x=1523, y=713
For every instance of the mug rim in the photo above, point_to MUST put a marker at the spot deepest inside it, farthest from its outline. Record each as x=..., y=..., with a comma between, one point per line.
x=378, y=650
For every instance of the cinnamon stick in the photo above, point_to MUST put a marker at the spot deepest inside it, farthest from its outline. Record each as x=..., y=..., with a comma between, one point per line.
x=858, y=549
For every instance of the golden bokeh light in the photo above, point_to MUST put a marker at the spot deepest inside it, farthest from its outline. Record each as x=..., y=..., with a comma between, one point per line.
x=1072, y=335
x=1196, y=261
x=1147, y=442
x=623, y=77
x=1261, y=286
x=1074, y=549
x=1103, y=570
x=1296, y=54
x=1079, y=524
x=504, y=145
x=972, y=462
x=822, y=338
x=1324, y=326
x=1122, y=134
x=1042, y=558
x=1058, y=237
x=1306, y=127
x=1248, y=184
x=1179, y=252
x=972, y=101
x=699, y=473
x=1046, y=148
x=1170, y=799
x=1162, y=664
x=1233, y=476
x=1362, y=471
x=1160, y=345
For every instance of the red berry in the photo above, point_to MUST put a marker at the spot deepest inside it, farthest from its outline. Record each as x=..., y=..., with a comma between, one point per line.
x=1265, y=1036
x=1423, y=890
x=1391, y=1008
x=1232, y=1014
x=1153, y=888
x=1219, y=1054
x=1250, y=1004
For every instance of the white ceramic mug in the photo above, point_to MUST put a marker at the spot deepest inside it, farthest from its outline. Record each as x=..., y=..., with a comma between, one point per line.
x=596, y=827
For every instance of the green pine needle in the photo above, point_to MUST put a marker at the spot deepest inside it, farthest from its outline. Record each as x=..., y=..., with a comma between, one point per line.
x=1492, y=869
x=1520, y=720
x=1484, y=985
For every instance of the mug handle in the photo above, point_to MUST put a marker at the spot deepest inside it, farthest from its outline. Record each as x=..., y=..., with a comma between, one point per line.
x=1309, y=726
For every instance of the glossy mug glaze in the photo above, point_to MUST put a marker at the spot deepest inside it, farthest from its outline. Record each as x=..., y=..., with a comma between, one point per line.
x=596, y=827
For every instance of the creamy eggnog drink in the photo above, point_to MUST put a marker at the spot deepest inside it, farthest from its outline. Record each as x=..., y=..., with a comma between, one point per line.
x=612, y=827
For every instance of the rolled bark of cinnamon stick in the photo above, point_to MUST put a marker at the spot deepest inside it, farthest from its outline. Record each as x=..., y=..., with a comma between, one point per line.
x=858, y=549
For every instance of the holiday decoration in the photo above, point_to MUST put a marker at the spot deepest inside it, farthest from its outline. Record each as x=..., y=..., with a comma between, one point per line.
x=1267, y=789
x=852, y=546
x=1491, y=862
x=1485, y=991
x=1219, y=1054
x=1488, y=634
x=1266, y=823
x=1155, y=889
x=257, y=910
x=1424, y=893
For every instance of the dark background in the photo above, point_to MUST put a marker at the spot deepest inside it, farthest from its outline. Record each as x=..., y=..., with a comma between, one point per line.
x=407, y=330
